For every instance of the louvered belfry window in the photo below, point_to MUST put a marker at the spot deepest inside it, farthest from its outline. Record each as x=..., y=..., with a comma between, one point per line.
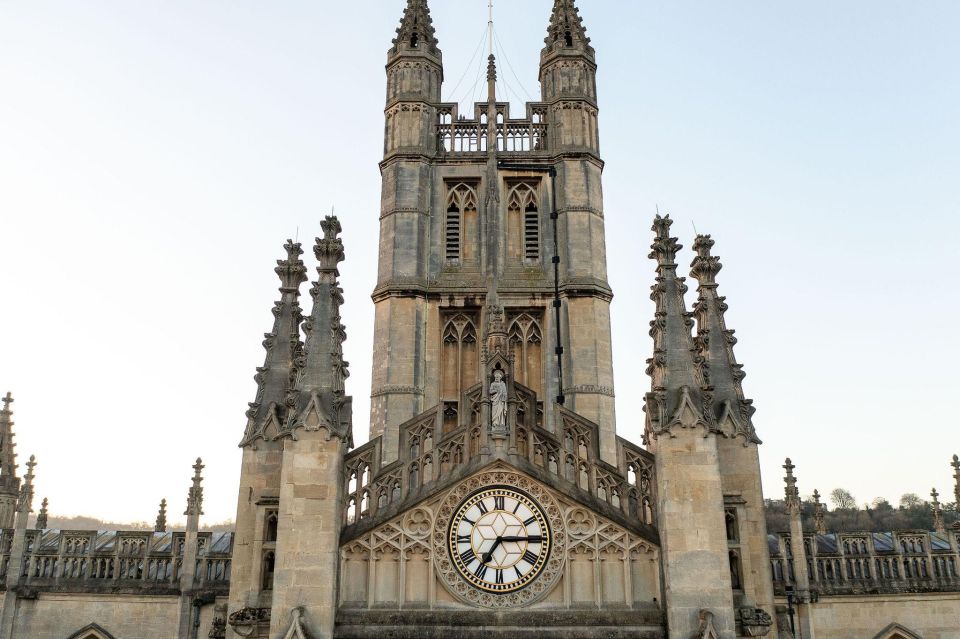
x=523, y=213
x=461, y=212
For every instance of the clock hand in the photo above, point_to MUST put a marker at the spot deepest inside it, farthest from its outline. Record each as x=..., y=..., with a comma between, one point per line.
x=536, y=537
x=487, y=556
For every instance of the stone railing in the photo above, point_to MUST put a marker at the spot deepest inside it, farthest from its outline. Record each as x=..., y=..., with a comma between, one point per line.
x=429, y=454
x=457, y=134
x=83, y=560
x=852, y=563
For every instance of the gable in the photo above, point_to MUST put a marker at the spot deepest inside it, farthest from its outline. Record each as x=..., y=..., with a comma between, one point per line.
x=92, y=631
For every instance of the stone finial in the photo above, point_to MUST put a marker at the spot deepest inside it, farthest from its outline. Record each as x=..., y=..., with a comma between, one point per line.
x=8, y=465
x=25, y=500
x=42, y=515
x=329, y=249
x=284, y=349
x=161, y=525
x=792, y=494
x=819, y=521
x=938, y=524
x=956, y=480
x=416, y=32
x=664, y=248
x=195, y=495
x=7, y=400
x=714, y=343
x=566, y=30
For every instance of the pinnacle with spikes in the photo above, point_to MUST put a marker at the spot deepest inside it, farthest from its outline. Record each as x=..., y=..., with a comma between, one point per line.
x=25, y=501
x=566, y=30
x=818, y=515
x=416, y=32
x=42, y=515
x=938, y=524
x=161, y=525
x=791, y=492
x=9, y=482
x=278, y=375
x=956, y=480
x=680, y=394
x=715, y=342
x=195, y=495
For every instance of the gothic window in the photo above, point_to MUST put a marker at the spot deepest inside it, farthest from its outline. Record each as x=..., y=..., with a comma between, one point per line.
x=523, y=223
x=459, y=365
x=460, y=224
x=269, y=561
x=270, y=533
x=731, y=518
x=526, y=341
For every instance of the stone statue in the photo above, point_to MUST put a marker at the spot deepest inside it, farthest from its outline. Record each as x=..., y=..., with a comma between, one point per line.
x=498, y=402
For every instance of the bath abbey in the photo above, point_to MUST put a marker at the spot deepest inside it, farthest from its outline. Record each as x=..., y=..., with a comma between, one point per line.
x=494, y=498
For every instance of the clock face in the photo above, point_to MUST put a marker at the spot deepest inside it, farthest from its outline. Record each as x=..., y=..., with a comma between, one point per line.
x=499, y=539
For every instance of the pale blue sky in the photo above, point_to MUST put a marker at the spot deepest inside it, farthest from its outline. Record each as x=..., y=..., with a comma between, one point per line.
x=154, y=156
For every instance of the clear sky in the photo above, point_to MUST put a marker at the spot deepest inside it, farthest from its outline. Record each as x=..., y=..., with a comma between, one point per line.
x=154, y=156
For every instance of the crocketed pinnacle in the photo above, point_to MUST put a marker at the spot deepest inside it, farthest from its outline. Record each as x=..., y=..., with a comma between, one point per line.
x=791, y=493
x=416, y=32
x=938, y=524
x=320, y=401
x=161, y=524
x=42, y=515
x=956, y=481
x=195, y=494
x=25, y=499
x=679, y=393
x=731, y=411
x=9, y=482
x=566, y=30
x=278, y=375
x=819, y=520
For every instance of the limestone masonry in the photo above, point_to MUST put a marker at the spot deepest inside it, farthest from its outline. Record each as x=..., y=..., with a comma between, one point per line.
x=494, y=497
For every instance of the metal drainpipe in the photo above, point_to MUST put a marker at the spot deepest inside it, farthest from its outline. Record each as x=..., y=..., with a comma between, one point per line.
x=554, y=216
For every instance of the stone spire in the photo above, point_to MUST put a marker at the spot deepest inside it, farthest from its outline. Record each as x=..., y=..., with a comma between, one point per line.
x=9, y=482
x=321, y=401
x=732, y=412
x=416, y=32
x=679, y=394
x=791, y=493
x=195, y=495
x=956, y=481
x=161, y=525
x=938, y=524
x=25, y=501
x=277, y=377
x=819, y=522
x=566, y=30
x=42, y=515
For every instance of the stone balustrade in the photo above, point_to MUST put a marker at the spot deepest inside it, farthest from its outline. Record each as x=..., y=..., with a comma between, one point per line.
x=458, y=134
x=85, y=560
x=870, y=563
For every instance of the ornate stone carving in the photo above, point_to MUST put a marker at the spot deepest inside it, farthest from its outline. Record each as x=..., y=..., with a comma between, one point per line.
x=249, y=621
x=498, y=403
x=755, y=622
x=296, y=630
x=706, y=630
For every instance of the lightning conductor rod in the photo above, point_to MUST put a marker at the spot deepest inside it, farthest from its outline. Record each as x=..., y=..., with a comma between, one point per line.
x=490, y=26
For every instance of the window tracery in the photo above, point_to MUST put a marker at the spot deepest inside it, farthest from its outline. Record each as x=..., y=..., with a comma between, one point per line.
x=460, y=223
x=459, y=364
x=526, y=341
x=523, y=223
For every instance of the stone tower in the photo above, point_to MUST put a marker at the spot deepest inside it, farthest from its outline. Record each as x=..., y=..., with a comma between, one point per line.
x=484, y=212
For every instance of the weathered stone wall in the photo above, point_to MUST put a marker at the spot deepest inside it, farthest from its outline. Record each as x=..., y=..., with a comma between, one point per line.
x=58, y=616
x=927, y=615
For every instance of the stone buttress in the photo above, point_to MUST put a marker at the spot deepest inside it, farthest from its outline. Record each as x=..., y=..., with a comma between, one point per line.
x=682, y=434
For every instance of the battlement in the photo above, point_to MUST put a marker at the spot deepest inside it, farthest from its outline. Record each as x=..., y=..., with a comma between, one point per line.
x=458, y=134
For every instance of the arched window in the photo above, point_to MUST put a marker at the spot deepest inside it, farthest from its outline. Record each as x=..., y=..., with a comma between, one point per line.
x=270, y=533
x=460, y=224
x=460, y=362
x=526, y=342
x=523, y=223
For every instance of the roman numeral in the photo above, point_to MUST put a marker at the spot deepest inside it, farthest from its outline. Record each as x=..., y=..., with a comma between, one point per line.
x=481, y=571
x=469, y=521
x=517, y=570
x=530, y=558
x=532, y=519
x=498, y=503
x=467, y=556
x=516, y=508
x=499, y=576
x=463, y=539
x=482, y=507
x=535, y=539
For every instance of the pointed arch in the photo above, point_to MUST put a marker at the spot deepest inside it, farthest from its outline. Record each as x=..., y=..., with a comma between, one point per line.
x=523, y=222
x=896, y=631
x=92, y=631
x=459, y=361
x=526, y=341
x=460, y=223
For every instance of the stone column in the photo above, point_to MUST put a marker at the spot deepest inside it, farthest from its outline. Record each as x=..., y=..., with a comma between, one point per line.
x=188, y=570
x=800, y=573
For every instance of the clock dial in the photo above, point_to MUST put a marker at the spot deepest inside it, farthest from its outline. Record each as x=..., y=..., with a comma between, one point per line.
x=499, y=539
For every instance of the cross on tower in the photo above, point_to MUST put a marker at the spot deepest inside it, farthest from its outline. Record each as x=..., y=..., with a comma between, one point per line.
x=8, y=399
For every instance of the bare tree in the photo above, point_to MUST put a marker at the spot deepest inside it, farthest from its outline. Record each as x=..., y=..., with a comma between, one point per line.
x=843, y=499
